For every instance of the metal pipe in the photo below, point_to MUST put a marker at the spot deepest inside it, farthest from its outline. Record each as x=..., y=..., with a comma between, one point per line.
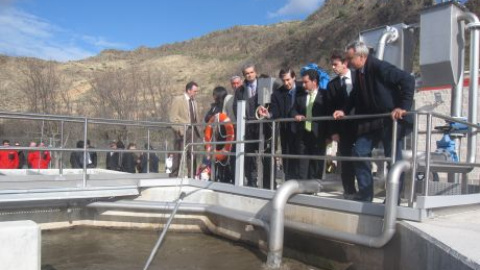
x=275, y=245
x=473, y=89
x=474, y=27
x=164, y=231
x=275, y=238
x=390, y=35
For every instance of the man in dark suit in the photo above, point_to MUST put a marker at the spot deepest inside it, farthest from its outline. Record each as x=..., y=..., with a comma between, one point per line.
x=379, y=88
x=248, y=92
x=343, y=132
x=311, y=134
x=113, y=158
x=282, y=103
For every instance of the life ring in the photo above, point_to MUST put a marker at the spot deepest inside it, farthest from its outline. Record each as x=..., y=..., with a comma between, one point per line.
x=227, y=136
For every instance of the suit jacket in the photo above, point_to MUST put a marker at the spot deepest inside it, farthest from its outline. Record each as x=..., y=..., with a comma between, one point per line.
x=228, y=107
x=386, y=87
x=337, y=97
x=282, y=104
x=252, y=102
x=319, y=128
x=180, y=113
x=113, y=161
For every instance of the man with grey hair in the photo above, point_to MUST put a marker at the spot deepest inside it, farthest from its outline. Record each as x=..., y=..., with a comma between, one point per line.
x=379, y=87
x=248, y=92
x=235, y=82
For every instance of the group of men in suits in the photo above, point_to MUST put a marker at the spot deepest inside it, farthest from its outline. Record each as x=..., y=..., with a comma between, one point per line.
x=363, y=85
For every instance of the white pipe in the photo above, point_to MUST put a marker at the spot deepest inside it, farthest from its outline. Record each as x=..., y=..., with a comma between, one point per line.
x=390, y=35
x=474, y=27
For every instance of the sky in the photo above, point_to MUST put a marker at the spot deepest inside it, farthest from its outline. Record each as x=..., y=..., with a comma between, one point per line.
x=64, y=30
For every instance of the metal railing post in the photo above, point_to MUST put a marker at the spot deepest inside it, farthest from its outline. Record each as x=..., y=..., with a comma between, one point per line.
x=240, y=148
x=427, y=152
x=394, y=142
x=60, y=164
x=85, y=135
x=414, y=160
x=259, y=159
x=272, y=159
x=148, y=148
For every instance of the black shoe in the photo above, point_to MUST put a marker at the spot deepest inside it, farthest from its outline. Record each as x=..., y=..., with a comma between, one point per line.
x=360, y=198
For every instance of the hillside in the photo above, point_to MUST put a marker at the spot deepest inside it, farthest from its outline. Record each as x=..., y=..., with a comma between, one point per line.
x=121, y=84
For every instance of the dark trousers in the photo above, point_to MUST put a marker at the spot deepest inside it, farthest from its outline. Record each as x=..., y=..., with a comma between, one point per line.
x=313, y=146
x=363, y=147
x=251, y=166
x=345, y=147
x=289, y=147
x=179, y=146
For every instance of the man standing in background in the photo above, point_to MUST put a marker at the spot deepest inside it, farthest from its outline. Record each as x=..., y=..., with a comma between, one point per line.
x=184, y=110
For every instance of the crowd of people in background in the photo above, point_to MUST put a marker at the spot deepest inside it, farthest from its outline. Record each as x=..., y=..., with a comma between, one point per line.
x=118, y=161
x=13, y=159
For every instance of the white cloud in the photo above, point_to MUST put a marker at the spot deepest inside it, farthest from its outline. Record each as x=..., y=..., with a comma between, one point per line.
x=24, y=34
x=297, y=7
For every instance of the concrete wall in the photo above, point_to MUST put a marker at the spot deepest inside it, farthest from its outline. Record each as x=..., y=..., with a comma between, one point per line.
x=409, y=249
x=20, y=244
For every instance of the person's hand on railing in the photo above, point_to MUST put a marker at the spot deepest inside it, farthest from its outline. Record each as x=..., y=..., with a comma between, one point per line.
x=398, y=113
x=262, y=112
x=338, y=114
x=299, y=117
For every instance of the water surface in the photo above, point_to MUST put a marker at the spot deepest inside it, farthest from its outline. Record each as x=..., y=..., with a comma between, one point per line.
x=86, y=248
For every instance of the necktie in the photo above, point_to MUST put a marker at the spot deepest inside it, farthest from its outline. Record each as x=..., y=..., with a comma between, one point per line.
x=344, y=81
x=193, y=119
x=361, y=78
x=251, y=90
x=308, y=124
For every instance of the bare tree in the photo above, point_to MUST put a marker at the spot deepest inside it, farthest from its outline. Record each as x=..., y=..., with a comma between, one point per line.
x=129, y=94
x=40, y=85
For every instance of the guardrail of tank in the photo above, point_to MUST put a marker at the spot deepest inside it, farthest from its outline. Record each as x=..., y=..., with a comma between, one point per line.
x=276, y=234
x=473, y=130
x=86, y=121
x=324, y=118
x=272, y=155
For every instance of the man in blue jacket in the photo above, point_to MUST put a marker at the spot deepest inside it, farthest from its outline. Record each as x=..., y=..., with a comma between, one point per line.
x=379, y=88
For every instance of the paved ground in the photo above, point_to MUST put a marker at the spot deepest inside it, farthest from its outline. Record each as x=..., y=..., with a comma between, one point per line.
x=459, y=233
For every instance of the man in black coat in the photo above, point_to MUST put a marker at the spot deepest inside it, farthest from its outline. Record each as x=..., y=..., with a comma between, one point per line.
x=379, y=88
x=248, y=92
x=113, y=158
x=339, y=89
x=311, y=134
x=282, y=103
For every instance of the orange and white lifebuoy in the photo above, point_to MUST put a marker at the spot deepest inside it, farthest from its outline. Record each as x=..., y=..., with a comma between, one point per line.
x=227, y=136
